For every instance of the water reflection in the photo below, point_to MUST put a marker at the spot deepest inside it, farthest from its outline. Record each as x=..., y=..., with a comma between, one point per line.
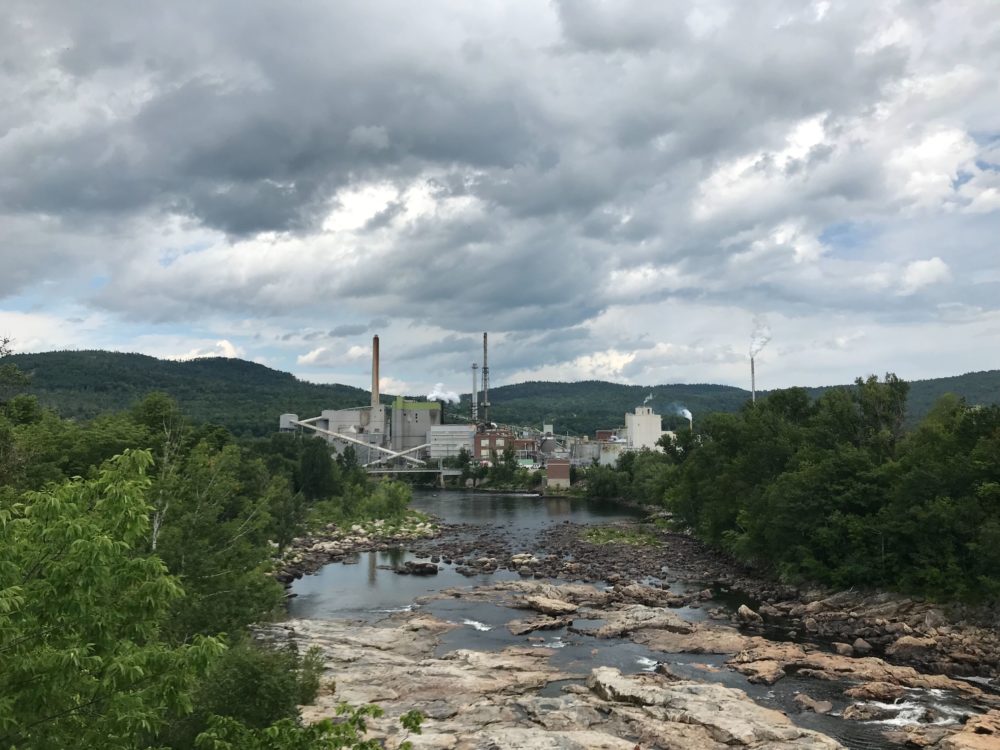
x=529, y=511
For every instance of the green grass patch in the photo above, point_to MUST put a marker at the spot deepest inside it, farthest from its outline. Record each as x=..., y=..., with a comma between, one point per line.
x=618, y=535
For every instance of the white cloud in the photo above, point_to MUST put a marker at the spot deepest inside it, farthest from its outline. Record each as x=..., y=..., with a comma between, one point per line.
x=923, y=273
x=313, y=357
x=221, y=348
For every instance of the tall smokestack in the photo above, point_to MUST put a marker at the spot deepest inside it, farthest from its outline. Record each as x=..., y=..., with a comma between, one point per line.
x=753, y=383
x=374, y=371
x=475, y=392
x=486, y=383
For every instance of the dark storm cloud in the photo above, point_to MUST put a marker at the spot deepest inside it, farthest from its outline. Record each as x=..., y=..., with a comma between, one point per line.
x=345, y=331
x=534, y=165
x=252, y=133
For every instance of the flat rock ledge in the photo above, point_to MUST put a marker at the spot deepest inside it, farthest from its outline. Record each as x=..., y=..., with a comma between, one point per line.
x=488, y=701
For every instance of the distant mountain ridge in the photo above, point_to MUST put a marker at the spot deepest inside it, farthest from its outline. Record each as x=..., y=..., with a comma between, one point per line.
x=247, y=397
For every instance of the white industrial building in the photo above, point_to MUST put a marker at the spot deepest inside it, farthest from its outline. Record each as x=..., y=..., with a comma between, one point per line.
x=447, y=440
x=643, y=429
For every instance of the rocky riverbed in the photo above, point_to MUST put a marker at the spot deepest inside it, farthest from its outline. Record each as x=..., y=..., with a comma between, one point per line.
x=502, y=698
x=335, y=543
x=536, y=661
x=902, y=629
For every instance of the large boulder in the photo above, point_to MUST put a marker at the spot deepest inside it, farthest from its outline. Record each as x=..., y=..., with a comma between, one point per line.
x=728, y=717
x=545, y=605
x=523, y=627
x=418, y=568
x=748, y=617
x=884, y=692
x=909, y=647
x=805, y=703
x=633, y=617
x=979, y=733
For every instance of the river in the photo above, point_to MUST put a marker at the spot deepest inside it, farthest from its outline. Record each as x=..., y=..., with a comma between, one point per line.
x=366, y=589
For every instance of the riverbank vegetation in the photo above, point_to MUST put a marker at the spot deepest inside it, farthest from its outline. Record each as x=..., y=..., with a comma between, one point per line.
x=503, y=472
x=834, y=490
x=136, y=550
x=614, y=535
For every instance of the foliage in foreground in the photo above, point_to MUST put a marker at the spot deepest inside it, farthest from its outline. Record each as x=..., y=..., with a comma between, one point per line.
x=81, y=611
x=135, y=552
x=348, y=732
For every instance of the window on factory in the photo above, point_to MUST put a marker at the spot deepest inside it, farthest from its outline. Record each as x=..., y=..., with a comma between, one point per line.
x=500, y=442
x=484, y=443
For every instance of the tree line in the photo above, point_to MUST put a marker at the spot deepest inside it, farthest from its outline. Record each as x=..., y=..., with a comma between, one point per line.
x=836, y=490
x=136, y=551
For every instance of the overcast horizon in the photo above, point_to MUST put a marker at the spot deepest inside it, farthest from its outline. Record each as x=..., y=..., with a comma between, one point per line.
x=618, y=191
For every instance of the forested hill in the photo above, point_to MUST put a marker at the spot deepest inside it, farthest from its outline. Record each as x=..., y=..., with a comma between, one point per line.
x=247, y=397
x=243, y=396
x=582, y=407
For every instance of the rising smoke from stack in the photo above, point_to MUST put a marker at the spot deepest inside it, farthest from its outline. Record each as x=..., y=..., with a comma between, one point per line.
x=647, y=399
x=438, y=393
x=759, y=337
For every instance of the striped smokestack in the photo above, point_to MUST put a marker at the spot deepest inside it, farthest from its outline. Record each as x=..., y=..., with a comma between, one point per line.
x=374, y=371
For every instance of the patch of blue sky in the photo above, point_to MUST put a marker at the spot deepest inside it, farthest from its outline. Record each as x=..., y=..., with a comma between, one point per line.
x=848, y=239
x=987, y=166
x=29, y=302
x=960, y=179
x=170, y=254
x=985, y=138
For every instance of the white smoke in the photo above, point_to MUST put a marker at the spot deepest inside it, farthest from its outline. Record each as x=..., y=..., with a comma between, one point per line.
x=440, y=394
x=760, y=336
x=686, y=414
x=647, y=399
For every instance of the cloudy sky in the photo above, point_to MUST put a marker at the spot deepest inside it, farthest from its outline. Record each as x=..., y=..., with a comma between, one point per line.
x=614, y=189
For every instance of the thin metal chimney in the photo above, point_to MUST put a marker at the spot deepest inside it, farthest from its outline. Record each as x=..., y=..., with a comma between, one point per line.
x=475, y=392
x=374, y=371
x=486, y=383
x=753, y=383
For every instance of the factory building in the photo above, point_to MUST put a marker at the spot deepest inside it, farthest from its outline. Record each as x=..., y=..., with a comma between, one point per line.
x=557, y=473
x=376, y=432
x=447, y=441
x=610, y=453
x=643, y=429
x=585, y=452
x=493, y=440
x=411, y=421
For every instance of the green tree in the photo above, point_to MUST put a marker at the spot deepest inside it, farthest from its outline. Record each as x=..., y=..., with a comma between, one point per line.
x=318, y=475
x=347, y=732
x=215, y=539
x=252, y=684
x=81, y=613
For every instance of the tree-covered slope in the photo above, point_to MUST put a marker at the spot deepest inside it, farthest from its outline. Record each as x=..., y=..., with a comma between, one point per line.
x=247, y=397
x=244, y=396
x=590, y=405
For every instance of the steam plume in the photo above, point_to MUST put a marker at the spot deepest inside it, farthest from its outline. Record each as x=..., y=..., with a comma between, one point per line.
x=686, y=414
x=760, y=336
x=647, y=399
x=440, y=394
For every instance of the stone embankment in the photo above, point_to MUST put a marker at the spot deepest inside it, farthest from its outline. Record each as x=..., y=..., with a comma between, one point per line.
x=333, y=543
